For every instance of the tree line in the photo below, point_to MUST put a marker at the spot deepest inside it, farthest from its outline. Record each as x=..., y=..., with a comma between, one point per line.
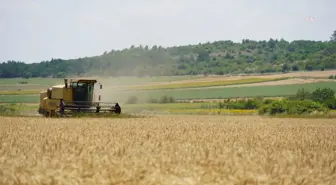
x=220, y=57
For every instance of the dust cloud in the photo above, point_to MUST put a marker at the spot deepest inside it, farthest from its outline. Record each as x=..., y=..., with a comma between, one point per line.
x=114, y=90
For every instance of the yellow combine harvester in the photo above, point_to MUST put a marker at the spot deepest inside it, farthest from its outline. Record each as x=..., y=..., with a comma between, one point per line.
x=78, y=96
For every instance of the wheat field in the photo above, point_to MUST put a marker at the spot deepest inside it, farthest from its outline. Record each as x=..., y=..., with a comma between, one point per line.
x=230, y=150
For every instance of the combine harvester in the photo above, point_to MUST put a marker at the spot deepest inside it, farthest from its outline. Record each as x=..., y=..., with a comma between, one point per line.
x=79, y=97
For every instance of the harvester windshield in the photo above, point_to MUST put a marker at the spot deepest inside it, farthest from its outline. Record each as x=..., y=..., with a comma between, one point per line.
x=82, y=92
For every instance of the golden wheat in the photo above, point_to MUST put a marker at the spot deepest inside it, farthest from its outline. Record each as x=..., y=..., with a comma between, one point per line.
x=168, y=150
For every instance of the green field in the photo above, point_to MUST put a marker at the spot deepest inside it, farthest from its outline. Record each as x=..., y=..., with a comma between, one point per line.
x=19, y=98
x=206, y=93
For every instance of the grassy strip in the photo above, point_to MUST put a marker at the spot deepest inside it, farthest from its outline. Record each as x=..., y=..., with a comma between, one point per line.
x=331, y=114
x=185, y=108
x=153, y=106
x=212, y=111
x=204, y=84
x=22, y=92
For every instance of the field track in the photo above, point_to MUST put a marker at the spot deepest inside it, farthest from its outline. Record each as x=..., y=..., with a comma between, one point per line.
x=313, y=74
x=168, y=150
x=273, y=83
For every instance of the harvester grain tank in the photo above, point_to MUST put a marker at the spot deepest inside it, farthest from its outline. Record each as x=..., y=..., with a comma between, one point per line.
x=79, y=96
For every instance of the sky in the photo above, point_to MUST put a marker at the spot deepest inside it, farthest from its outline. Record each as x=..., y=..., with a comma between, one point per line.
x=38, y=30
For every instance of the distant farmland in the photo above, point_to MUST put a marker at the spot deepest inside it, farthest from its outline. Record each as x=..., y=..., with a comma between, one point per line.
x=185, y=94
x=179, y=87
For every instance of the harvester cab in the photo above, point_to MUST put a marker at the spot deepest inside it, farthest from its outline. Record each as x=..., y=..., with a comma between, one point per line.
x=79, y=95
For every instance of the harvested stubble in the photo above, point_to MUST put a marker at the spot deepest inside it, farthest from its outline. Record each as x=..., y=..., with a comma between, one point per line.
x=168, y=150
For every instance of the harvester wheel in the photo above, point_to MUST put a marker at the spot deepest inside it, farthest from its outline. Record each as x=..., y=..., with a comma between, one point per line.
x=49, y=114
x=97, y=109
x=52, y=113
x=46, y=114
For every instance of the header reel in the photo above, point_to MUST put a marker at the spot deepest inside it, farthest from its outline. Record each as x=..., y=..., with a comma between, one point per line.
x=92, y=107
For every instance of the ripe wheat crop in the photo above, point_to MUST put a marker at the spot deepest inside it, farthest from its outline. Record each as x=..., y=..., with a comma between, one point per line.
x=168, y=150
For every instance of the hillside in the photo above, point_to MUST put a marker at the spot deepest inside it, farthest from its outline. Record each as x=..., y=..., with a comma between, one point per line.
x=220, y=57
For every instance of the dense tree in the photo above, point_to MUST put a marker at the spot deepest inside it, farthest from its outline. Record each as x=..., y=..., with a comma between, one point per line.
x=333, y=37
x=220, y=57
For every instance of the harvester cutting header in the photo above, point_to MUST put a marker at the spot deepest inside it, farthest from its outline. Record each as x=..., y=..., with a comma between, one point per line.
x=78, y=95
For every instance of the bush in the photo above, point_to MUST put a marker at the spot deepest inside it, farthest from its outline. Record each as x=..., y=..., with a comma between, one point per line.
x=275, y=107
x=293, y=107
x=304, y=102
x=167, y=99
x=23, y=82
x=331, y=77
x=301, y=94
x=325, y=96
x=306, y=106
x=251, y=104
x=267, y=101
x=8, y=109
x=322, y=95
x=241, y=104
x=331, y=103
